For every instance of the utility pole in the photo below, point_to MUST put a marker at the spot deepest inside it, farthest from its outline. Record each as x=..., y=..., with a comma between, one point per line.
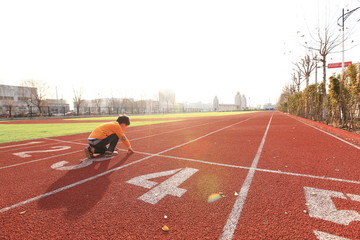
x=343, y=47
x=57, y=101
x=343, y=18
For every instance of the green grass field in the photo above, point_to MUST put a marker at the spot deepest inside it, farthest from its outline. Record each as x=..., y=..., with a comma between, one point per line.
x=20, y=132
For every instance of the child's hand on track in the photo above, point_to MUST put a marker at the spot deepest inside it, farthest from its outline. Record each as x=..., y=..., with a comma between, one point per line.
x=130, y=150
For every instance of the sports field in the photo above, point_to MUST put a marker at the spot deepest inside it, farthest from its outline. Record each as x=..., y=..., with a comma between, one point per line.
x=261, y=175
x=19, y=130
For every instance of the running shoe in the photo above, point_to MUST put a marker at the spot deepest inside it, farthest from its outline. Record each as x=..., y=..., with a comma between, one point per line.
x=110, y=154
x=89, y=152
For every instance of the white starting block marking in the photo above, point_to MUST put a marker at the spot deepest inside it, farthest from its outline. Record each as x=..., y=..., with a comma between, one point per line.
x=23, y=144
x=167, y=187
x=84, y=163
x=55, y=149
x=326, y=236
x=354, y=197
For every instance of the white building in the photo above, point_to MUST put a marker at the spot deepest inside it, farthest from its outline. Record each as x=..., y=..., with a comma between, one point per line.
x=240, y=104
x=20, y=100
x=14, y=99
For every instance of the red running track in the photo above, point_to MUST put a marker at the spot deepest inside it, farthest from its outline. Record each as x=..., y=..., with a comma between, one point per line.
x=279, y=178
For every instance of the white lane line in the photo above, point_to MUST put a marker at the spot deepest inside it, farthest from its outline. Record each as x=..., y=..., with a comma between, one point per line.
x=111, y=170
x=249, y=168
x=332, y=135
x=154, y=126
x=23, y=144
x=70, y=142
x=230, y=226
x=37, y=160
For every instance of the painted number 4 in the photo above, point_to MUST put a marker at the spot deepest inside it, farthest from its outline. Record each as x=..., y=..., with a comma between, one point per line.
x=167, y=187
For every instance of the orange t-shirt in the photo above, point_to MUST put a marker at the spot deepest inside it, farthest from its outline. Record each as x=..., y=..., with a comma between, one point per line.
x=107, y=129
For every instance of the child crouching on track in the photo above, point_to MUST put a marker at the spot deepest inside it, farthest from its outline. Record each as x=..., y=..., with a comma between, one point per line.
x=108, y=134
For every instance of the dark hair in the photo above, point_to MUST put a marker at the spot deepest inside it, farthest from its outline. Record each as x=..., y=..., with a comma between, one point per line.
x=123, y=119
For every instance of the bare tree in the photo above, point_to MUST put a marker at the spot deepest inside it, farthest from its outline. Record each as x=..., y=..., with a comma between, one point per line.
x=115, y=104
x=78, y=100
x=155, y=105
x=128, y=105
x=306, y=66
x=97, y=103
x=297, y=79
x=324, y=43
x=9, y=104
x=141, y=105
x=287, y=91
x=167, y=98
x=85, y=106
x=38, y=91
x=120, y=104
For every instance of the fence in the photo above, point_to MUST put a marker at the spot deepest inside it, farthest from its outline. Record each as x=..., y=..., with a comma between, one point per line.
x=49, y=111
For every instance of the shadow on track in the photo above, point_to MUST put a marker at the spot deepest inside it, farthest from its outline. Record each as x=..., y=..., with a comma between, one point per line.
x=80, y=199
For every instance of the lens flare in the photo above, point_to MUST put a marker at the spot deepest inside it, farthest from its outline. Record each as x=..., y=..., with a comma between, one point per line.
x=214, y=197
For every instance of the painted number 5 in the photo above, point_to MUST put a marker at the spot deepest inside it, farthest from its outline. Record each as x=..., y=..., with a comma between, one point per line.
x=321, y=206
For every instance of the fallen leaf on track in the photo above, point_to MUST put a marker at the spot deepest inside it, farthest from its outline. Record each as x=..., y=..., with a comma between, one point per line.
x=165, y=228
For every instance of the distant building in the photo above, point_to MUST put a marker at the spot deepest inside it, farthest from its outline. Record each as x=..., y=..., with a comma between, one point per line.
x=238, y=99
x=197, y=107
x=269, y=106
x=17, y=95
x=56, y=106
x=240, y=104
x=14, y=99
x=243, y=103
x=216, y=105
x=19, y=100
x=118, y=106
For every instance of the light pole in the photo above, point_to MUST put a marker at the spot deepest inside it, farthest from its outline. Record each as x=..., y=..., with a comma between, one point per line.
x=343, y=17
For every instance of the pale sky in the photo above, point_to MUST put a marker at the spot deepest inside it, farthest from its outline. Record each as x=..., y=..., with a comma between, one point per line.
x=199, y=48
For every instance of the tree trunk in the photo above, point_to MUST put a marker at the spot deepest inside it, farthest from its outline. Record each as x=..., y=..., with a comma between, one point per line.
x=324, y=112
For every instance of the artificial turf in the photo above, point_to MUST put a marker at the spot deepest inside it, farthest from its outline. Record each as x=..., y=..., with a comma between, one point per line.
x=20, y=132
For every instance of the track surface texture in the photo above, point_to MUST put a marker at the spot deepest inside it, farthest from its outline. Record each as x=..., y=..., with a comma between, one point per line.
x=263, y=175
